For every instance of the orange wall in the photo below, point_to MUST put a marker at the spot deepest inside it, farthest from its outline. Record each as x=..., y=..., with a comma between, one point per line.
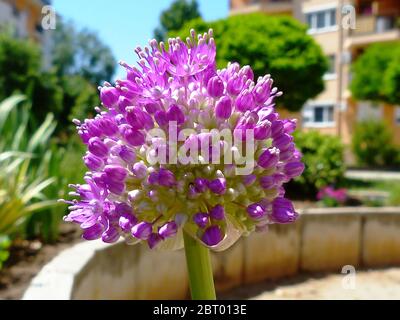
x=235, y=4
x=34, y=14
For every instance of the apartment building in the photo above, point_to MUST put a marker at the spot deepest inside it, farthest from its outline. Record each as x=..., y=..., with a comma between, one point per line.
x=334, y=111
x=24, y=17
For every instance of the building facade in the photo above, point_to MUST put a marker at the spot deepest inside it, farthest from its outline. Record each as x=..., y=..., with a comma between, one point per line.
x=334, y=111
x=24, y=17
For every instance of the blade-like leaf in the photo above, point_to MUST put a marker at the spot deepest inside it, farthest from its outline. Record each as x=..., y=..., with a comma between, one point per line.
x=6, y=106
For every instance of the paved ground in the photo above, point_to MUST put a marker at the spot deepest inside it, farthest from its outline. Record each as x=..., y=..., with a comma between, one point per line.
x=368, y=285
x=372, y=175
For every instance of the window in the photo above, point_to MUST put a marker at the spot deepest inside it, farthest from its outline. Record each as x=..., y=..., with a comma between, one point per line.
x=39, y=28
x=318, y=115
x=323, y=20
x=331, y=73
x=369, y=110
x=397, y=115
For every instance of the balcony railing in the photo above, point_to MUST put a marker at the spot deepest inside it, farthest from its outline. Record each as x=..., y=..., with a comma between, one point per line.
x=374, y=24
x=271, y=6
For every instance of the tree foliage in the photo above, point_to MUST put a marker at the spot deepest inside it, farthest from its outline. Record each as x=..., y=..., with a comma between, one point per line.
x=21, y=72
x=69, y=88
x=82, y=53
x=175, y=16
x=376, y=74
x=373, y=146
x=270, y=44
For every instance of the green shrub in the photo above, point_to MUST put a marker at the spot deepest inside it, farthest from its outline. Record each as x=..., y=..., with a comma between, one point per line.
x=372, y=145
x=323, y=158
x=5, y=244
x=22, y=166
x=64, y=163
x=394, y=194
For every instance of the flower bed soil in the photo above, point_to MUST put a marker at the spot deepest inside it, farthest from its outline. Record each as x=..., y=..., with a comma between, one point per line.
x=28, y=257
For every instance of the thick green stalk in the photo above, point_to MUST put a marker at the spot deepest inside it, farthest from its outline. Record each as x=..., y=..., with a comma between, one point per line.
x=199, y=269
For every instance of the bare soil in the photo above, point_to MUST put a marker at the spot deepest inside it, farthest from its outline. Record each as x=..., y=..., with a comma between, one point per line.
x=28, y=257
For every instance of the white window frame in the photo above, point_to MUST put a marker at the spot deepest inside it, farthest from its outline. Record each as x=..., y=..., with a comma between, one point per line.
x=313, y=29
x=310, y=107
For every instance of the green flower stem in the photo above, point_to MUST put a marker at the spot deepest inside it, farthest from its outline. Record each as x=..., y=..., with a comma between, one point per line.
x=199, y=269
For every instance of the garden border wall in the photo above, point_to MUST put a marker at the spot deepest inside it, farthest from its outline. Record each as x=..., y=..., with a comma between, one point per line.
x=323, y=239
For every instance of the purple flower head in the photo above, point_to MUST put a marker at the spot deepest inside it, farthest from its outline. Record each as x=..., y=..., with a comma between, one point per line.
x=166, y=178
x=109, y=96
x=111, y=235
x=139, y=169
x=142, y=230
x=174, y=102
x=283, y=211
x=168, y=230
x=218, y=186
x=294, y=169
x=115, y=173
x=245, y=101
x=269, y=158
x=223, y=109
x=176, y=114
x=256, y=211
x=97, y=147
x=153, y=240
x=94, y=232
x=126, y=154
x=135, y=138
x=212, y=236
x=200, y=184
x=201, y=219
x=215, y=87
x=92, y=162
x=217, y=213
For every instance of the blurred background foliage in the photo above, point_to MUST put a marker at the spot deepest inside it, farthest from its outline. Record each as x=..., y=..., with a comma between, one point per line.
x=373, y=145
x=39, y=151
x=323, y=156
x=380, y=81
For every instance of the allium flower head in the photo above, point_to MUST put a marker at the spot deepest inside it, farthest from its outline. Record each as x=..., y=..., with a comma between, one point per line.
x=128, y=195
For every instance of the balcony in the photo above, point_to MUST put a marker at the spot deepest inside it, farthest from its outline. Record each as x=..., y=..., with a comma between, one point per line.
x=372, y=28
x=271, y=6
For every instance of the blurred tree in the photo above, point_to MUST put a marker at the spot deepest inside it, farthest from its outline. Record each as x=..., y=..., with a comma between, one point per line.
x=380, y=81
x=270, y=44
x=81, y=62
x=21, y=72
x=372, y=144
x=19, y=64
x=80, y=98
x=82, y=53
x=173, y=18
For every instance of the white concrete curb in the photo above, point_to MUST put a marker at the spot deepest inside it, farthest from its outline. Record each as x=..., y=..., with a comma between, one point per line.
x=324, y=239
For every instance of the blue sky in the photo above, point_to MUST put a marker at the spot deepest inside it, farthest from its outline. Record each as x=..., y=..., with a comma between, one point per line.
x=125, y=24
